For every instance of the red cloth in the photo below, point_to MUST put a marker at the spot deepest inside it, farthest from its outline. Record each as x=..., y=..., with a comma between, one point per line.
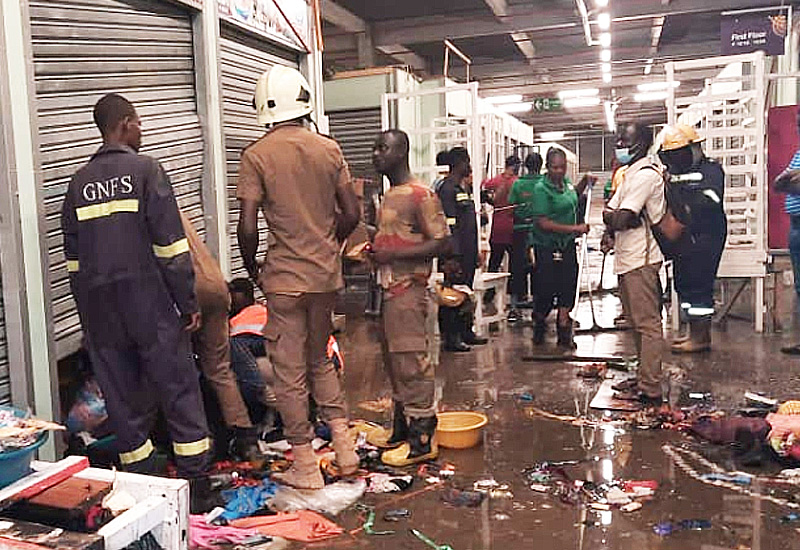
x=503, y=220
x=303, y=525
x=208, y=537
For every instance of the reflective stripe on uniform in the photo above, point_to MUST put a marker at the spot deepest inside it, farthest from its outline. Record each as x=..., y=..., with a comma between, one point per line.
x=104, y=209
x=138, y=454
x=238, y=330
x=192, y=449
x=451, y=221
x=686, y=178
x=73, y=266
x=700, y=311
x=462, y=197
x=171, y=250
x=711, y=194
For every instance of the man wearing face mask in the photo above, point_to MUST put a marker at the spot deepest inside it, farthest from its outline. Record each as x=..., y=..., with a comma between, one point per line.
x=635, y=208
x=698, y=186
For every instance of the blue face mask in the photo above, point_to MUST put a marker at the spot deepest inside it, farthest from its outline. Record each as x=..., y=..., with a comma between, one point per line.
x=623, y=155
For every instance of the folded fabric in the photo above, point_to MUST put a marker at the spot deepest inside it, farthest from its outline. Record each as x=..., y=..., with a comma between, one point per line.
x=303, y=525
x=245, y=501
x=203, y=535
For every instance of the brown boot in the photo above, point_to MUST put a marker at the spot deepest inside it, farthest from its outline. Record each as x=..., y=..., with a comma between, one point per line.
x=305, y=472
x=699, y=338
x=346, y=458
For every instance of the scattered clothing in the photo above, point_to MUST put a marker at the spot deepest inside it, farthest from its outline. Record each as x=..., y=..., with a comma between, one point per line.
x=386, y=483
x=245, y=501
x=203, y=535
x=303, y=525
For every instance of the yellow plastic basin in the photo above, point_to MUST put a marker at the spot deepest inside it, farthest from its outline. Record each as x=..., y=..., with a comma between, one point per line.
x=460, y=429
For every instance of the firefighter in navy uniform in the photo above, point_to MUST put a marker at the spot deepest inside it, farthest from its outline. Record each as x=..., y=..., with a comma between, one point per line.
x=455, y=194
x=132, y=278
x=697, y=187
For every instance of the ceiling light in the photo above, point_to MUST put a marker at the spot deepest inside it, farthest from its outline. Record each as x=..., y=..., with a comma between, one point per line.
x=588, y=92
x=606, y=67
x=611, y=123
x=656, y=86
x=601, y=3
x=650, y=96
x=551, y=136
x=606, y=77
x=605, y=55
x=581, y=102
x=498, y=99
x=605, y=39
x=515, y=107
x=648, y=67
x=604, y=21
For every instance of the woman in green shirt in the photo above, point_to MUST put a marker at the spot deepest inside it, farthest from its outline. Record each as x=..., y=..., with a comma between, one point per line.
x=555, y=209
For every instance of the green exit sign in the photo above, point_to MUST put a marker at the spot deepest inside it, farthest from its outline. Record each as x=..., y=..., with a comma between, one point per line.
x=544, y=104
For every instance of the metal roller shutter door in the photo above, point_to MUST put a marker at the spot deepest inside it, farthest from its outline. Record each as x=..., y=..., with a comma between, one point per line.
x=356, y=130
x=242, y=60
x=83, y=49
x=5, y=374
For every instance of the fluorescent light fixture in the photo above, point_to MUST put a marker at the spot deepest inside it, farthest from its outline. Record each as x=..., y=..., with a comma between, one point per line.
x=515, y=107
x=498, y=99
x=605, y=56
x=644, y=97
x=607, y=77
x=601, y=3
x=611, y=123
x=588, y=92
x=605, y=39
x=656, y=86
x=604, y=21
x=551, y=136
x=648, y=67
x=606, y=67
x=573, y=102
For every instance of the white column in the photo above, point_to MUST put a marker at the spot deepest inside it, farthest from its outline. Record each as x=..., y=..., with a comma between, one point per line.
x=209, y=104
x=30, y=329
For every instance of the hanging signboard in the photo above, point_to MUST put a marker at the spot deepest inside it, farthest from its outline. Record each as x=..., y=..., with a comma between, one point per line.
x=285, y=21
x=750, y=31
x=545, y=104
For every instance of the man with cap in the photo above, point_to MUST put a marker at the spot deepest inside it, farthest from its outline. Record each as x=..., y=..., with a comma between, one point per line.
x=301, y=182
x=697, y=191
x=638, y=205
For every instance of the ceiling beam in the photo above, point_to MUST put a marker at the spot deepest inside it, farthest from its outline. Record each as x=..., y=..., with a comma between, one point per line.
x=335, y=14
x=405, y=56
x=522, y=40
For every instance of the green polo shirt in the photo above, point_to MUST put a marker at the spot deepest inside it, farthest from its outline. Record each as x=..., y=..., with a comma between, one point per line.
x=560, y=206
x=521, y=196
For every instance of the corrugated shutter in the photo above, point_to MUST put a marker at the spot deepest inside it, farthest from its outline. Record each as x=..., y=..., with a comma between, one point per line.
x=5, y=374
x=242, y=60
x=356, y=131
x=83, y=49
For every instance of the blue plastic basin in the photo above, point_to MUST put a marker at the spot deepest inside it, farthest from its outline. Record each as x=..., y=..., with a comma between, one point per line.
x=16, y=464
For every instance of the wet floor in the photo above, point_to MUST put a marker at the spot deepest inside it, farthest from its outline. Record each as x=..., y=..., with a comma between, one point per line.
x=491, y=379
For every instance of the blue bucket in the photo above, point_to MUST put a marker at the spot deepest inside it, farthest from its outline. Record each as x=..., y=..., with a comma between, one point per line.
x=16, y=464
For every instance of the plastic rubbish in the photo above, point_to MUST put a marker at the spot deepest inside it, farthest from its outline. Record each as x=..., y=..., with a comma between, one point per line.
x=333, y=499
x=791, y=517
x=664, y=528
x=694, y=524
x=738, y=478
x=397, y=515
x=245, y=501
x=526, y=397
x=459, y=498
x=760, y=400
x=387, y=483
x=421, y=536
x=617, y=496
x=370, y=524
x=88, y=411
x=632, y=507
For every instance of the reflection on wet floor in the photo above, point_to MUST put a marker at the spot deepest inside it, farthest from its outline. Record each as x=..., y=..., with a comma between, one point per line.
x=492, y=379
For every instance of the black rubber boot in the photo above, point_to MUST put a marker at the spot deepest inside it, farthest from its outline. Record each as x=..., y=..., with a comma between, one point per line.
x=399, y=426
x=202, y=498
x=245, y=445
x=420, y=435
x=539, y=330
x=451, y=330
x=565, y=340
